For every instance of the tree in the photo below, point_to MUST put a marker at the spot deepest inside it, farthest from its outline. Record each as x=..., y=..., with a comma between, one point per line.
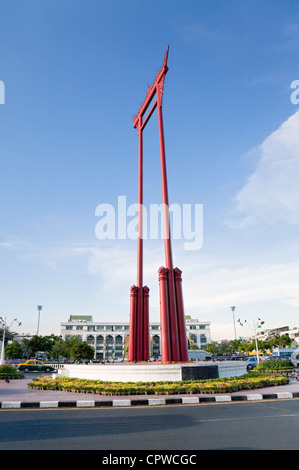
x=236, y=345
x=211, y=348
x=39, y=343
x=284, y=341
x=81, y=351
x=59, y=349
x=14, y=350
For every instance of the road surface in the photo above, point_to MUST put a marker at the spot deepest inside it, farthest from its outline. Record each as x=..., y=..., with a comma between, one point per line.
x=272, y=424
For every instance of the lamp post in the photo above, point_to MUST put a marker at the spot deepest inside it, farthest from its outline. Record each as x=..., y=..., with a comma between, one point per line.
x=3, y=341
x=39, y=308
x=256, y=325
x=3, y=337
x=233, y=310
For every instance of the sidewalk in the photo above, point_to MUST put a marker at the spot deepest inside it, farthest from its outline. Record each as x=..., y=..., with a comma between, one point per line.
x=16, y=394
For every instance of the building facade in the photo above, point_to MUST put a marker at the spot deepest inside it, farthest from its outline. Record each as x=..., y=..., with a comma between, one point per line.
x=293, y=333
x=110, y=340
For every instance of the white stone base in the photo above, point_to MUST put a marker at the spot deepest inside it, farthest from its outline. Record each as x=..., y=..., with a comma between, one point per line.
x=232, y=368
x=146, y=372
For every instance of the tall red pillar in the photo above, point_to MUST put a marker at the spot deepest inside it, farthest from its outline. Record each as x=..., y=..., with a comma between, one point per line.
x=173, y=324
x=145, y=353
x=183, y=343
x=164, y=315
x=173, y=334
x=133, y=323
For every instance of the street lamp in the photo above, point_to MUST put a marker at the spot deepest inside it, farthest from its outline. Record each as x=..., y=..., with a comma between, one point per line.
x=256, y=325
x=3, y=337
x=233, y=310
x=3, y=341
x=39, y=308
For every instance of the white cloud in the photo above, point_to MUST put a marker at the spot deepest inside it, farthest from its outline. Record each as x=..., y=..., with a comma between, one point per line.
x=14, y=243
x=271, y=193
x=209, y=284
x=218, y=288
x=267, y=290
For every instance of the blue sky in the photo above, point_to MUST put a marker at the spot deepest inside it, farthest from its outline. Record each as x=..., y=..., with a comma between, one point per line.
x=75, y=73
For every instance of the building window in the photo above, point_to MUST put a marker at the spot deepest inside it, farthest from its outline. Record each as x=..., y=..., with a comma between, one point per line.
x=193, y=339
x=118, y=348
x=118, y=342
x=100, y=340
x=203, y=339
x=90, y=340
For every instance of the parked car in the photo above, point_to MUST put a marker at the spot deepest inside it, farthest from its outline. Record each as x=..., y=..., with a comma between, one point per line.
x=252, y=362
x=34, y=365
x=234, y=357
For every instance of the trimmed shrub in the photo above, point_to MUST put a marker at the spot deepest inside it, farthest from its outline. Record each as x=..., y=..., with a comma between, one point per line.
x=274, y=366
x=251, y=380
x=9, y=372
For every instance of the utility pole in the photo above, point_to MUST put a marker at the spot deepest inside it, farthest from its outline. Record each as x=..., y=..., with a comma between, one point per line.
x=39, y=308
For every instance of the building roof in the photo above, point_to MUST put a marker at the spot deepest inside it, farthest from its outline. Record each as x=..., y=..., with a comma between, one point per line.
x=80, y=317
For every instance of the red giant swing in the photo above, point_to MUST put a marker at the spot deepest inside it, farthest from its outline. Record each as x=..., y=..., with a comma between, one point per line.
x=172, y=319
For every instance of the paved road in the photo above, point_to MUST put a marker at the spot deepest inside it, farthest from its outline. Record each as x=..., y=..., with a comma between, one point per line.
x=266, y=424
x=17, y=390
x=244, y=425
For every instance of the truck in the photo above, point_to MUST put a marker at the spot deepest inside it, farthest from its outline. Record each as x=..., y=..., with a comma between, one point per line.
x=198, y=355
x=295, y=358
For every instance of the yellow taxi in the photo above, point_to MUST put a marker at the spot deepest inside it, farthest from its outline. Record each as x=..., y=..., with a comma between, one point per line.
x=35, y=365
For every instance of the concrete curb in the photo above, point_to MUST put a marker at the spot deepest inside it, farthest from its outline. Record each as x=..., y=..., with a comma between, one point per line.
x=187, y=400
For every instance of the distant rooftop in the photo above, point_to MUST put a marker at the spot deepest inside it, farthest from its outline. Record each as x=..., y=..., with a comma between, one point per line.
x=80, y=318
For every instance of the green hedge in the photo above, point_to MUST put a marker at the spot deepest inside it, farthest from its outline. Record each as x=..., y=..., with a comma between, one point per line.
x=273, y=366
x=251, y=380
x=9, y=372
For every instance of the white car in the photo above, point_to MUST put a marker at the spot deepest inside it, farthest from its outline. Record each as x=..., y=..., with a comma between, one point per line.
x=251, y=362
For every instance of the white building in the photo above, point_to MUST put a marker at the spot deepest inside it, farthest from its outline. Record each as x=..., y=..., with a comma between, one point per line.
x=293, y=333
x=110, y=339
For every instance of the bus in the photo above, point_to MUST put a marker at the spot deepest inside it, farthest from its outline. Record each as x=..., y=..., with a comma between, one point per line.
x=282, y=353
